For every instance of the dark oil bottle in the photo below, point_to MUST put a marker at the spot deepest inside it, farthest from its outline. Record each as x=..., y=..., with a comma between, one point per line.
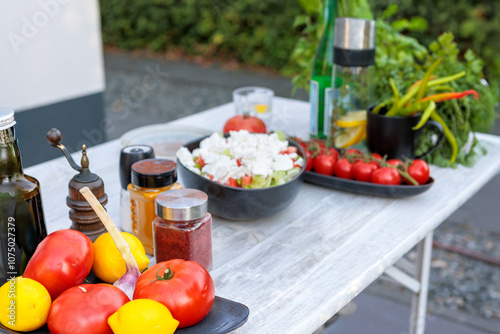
x=22, y=225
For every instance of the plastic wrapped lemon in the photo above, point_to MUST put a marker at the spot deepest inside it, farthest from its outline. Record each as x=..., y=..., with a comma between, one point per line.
x=108, y=262
x=143, y=316
x=24, y=304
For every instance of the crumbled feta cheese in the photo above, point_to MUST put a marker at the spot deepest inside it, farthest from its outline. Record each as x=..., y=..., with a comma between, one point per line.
x=242, y=153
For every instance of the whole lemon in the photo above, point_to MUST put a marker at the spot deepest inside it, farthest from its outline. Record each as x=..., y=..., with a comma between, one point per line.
x=109, y=264
x=24, y=304
x=143, y=316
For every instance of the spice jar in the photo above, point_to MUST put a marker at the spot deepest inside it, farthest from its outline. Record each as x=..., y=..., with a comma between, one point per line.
x=128, y=156
x=150, y=177
x=183, y=227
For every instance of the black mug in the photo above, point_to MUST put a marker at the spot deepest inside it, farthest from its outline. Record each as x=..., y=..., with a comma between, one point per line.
x=394, y=136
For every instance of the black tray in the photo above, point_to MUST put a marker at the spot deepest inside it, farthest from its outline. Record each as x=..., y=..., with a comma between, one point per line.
x=224, y=317
x=366, y=188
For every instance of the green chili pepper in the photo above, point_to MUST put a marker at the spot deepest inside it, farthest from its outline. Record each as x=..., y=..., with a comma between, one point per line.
x=449, y=135
x=425, y=115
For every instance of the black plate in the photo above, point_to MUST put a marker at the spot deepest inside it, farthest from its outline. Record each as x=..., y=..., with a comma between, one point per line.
x=366, y=188
x=224, y=317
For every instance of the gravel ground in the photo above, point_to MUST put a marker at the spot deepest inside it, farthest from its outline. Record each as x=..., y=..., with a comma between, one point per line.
x=463, y=283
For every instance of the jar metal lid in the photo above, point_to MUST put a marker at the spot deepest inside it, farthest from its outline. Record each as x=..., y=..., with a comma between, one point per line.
x=181, y=204
x=154, y=173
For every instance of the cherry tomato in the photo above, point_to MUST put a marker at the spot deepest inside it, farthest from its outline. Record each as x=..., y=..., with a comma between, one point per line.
x=62, y=260
x=324, y=163
x=184, y=287
x=378, y=158
x=85, y=309
x=309, y=161
x=343, y=169
x=395, y=162
x=386, y=175
x=362, y=171
x=353, y=151
x=419, y=170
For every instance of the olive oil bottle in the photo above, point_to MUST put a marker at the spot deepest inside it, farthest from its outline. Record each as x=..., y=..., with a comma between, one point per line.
x=22, y=225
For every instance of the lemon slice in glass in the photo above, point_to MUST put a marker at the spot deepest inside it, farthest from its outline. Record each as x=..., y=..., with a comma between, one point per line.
x=352, y=119
x=260, y=108
x=351, y=136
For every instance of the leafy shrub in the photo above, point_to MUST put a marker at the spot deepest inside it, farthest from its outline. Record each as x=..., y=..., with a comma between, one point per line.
x=250, y=31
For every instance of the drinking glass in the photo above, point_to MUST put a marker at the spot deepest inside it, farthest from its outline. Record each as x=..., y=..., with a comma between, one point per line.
x=254, y=101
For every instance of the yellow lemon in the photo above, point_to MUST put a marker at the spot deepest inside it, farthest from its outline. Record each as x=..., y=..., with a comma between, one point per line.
x=350, y=136
x=352, y=118
x=24, y=304
x=260, y=108
x=108, y=262
x=143, y=316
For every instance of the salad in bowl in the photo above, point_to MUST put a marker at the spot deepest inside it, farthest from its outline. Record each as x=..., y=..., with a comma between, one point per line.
x=246, y=160
x=246, y=176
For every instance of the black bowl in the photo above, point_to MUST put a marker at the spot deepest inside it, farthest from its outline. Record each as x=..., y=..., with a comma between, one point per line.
x=239, y=203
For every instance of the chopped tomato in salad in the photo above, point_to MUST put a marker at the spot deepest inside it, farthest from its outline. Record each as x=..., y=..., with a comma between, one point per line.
x=245, y=160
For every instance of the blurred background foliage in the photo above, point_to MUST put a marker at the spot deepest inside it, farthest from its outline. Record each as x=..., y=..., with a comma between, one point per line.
x=263, y=33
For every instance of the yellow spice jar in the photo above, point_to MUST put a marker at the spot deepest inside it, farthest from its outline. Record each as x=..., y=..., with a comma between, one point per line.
x=150, y=177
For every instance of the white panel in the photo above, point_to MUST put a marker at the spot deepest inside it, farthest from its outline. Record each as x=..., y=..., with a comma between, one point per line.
x=50, y=51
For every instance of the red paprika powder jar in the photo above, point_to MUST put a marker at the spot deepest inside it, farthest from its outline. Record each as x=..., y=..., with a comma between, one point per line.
x=183, y=227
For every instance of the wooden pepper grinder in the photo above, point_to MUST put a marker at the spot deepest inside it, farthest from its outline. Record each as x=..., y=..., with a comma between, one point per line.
x=81, y=213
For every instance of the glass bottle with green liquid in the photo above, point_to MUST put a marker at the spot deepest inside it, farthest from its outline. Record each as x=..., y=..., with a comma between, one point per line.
x=321, y=79
x=22, y=225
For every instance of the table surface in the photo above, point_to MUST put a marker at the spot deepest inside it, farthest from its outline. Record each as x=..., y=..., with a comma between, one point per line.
x=296, y=269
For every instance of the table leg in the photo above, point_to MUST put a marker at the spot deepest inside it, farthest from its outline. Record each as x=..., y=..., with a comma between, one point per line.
x=419, y=301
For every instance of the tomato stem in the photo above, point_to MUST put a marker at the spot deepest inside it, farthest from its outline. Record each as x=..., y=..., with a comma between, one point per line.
x=167, y=274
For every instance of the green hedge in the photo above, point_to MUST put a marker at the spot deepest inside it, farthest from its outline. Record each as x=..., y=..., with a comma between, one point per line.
x=261, y=32
x=251, y=31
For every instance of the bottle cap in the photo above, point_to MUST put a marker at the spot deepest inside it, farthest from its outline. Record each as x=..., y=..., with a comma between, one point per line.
x=154, y=173
x=6, y=118
x=354, y=42
x=130, y=155
x=181, y=204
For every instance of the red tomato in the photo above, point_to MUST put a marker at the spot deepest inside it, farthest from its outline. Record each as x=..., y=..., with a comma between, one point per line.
x=309, y=161
x=324, y=164
x=386, y=175
x=245, y=122
x=62, y=260
x=246, y=180
x=231, y=182
x=395, y=162
x=238, y=162
x=378, y=158
x=419, y=170
x=188, y=292
x=85, y=309
x=353, y=151
x=292, y=149
x=343, y=169
x=362, y=171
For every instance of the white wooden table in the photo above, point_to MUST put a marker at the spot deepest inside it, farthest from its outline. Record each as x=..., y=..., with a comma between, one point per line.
x=297, y=269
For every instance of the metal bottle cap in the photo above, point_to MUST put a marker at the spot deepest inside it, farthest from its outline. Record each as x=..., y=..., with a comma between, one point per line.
x=354, y=34
x=6, y=118
x=181, y=204
x=130, y=155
